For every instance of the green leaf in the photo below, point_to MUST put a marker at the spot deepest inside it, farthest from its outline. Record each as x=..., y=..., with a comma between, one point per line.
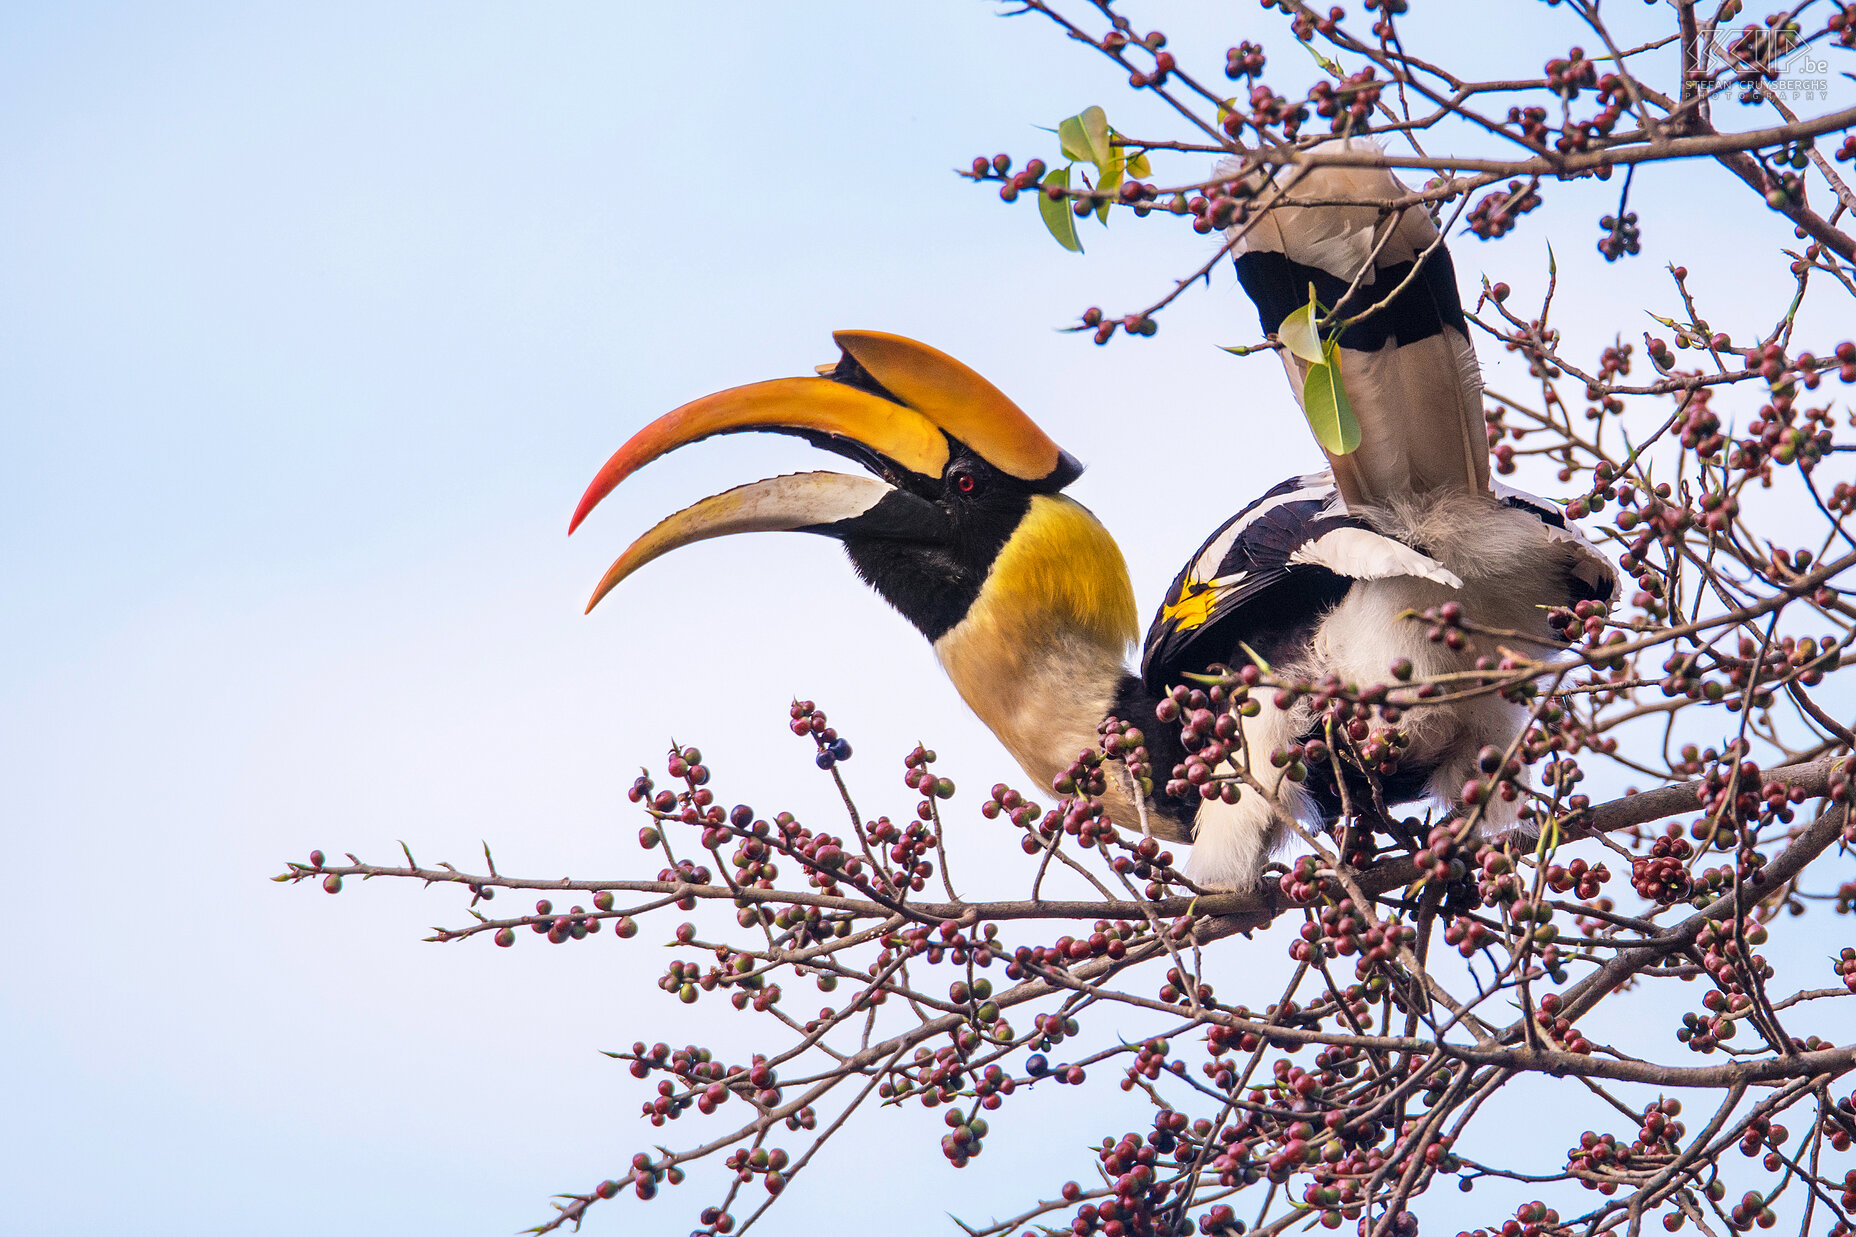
x=1330, y=65
x=1131, y=163
x=1111, y=181
x=1549, y=839
x=1244, y=349
x=1324, y=402
x=1095, y=131
x=1297, y=333
x=1074, y=141
x=1056, y=215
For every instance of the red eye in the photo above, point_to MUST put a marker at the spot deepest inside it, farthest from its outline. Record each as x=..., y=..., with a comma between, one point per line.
x=964, y=482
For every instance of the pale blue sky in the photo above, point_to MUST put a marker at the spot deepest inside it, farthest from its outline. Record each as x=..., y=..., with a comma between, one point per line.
x=314, y=322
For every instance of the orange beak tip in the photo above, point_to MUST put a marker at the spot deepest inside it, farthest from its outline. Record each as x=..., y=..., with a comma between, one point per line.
x=587, y=502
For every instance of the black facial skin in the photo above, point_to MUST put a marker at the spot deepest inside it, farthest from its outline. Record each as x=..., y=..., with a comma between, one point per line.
x=935, y=579
x=927, y=548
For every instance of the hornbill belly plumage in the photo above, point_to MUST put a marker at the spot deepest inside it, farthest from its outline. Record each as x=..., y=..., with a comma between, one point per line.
x=1312, y=587
x=963, y=527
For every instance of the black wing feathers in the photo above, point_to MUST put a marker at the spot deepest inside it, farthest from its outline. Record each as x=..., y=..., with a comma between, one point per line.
x=1242, y=589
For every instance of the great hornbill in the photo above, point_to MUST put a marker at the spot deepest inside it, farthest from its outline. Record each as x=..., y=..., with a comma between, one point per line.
x=963, y=528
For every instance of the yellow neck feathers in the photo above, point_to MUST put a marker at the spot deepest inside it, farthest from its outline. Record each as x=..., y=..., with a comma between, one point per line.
x=1061, y=568
x=1039, y=655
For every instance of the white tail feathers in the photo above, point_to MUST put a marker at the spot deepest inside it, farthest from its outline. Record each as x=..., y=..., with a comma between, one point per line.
x=1407, y=365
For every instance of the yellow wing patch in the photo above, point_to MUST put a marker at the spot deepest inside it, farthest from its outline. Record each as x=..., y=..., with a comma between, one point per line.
x=1193, y=607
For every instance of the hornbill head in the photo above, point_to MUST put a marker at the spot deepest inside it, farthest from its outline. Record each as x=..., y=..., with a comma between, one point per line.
x=961, y=526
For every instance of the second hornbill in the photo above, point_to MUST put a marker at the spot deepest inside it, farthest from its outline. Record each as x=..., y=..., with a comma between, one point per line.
x=963, y=528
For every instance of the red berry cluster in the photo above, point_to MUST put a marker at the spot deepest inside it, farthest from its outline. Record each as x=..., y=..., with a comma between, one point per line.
x=1359, y=719
x=1532, y=122
x=1107, y=940
x=1155, y=43
x=767, y=1163
x=944, y=941
x=825, y=858
x=1388, y=9
x=1598, y=1155
x=646, y=1176
x=1347, y=104
x=1498, y=883
x=999, y=168
x=1556, y=1024
x=1446, y=626
x=1838, y=1122
x=906, y=851
x=1305, y=881
x=1140, y=1206
x=1244, y=60
x=965, y=1134
x=1566, y=77
x=1585, y=619
x=1730, y=792
x=1534, y=1219
x=738, y=972
x=696, y=1080
x=1752, y=1211
x=1132, y=324
x=1083, y=777
x=936, y=1076
x=1621, y=237
x=1021, y=812
x=1842, y=23
x=1150, y=1059
x=1339, y=931
x=1306, y=22
x=992, y=1086
x=1125, y=742
x=809, y=719
x=1578, y=877
x=919, y=779
x=1209, y=730
x=1468, y=935
x=1443, y=856
x=1495, y=214
x=1224, y=203
x=1180, y=989
x=1268, y=110
x=1730, y=1001
x=1662, y=875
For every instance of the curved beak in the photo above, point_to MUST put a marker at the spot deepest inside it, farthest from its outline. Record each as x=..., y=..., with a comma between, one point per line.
x=831, y=414
x=896, y=406
x=830, y=503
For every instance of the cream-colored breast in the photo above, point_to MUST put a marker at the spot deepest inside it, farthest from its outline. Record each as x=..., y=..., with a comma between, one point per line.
x=1040, y=653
